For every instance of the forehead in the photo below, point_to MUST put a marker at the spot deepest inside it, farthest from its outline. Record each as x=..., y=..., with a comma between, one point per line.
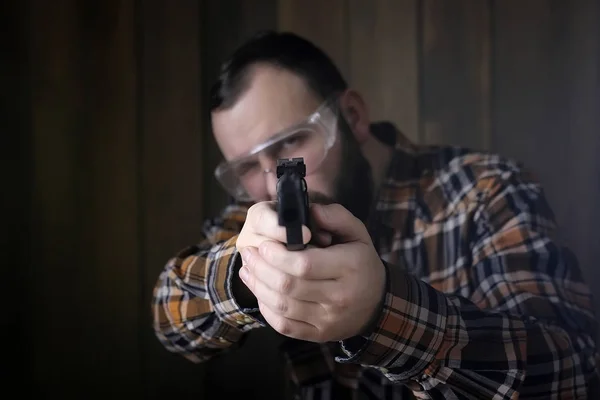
x=276, y=99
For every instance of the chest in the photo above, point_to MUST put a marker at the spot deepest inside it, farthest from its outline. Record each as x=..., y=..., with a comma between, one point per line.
x=435, y=248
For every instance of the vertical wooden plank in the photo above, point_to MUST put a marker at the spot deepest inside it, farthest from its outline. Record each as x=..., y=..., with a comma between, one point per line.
x=256, y=365
x=108, y=194
x=531, y=92
x=526, y=94
x=547, y=99
x=325, y=23
x=55, y=228
x=85, y=284
x=384, y=60
x=456, y=72
x=244, y=18
x=171, y=170
x=583, y=64
x=15, y=201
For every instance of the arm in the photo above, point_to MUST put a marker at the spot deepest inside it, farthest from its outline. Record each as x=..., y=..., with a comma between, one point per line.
x=525, y=330
x=196, y=301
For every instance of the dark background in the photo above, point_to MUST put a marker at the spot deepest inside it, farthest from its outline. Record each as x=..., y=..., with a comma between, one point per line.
x=107, y=158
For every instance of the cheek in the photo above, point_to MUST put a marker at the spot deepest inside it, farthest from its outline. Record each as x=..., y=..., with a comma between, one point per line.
x=323, y=180
x=319, y=184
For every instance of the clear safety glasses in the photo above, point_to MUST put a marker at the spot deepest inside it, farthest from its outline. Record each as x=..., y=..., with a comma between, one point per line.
x=310, y=139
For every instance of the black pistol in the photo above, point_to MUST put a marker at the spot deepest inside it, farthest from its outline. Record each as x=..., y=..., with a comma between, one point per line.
x=292, y=200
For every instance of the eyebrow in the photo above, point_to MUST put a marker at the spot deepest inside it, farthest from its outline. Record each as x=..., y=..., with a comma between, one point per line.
x=281, y=134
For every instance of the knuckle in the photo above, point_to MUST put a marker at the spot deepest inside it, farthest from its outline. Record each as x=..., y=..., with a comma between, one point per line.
x=249, y=260
x=303, y=266
x=282, y=326
x=256, y=213
x=240, y=243
x=281, y=305
x=265, y=249
x=253, y=208
x=251, y=212
x=251, y=284
x=285, y=284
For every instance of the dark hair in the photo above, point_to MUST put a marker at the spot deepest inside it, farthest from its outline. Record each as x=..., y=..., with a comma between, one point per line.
x=284, y=50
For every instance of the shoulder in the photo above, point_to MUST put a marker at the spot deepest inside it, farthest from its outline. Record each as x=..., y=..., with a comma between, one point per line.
x=453, y=178
x=453, y=161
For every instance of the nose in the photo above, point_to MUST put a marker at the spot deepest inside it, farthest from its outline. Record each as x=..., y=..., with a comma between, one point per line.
x=271, y=180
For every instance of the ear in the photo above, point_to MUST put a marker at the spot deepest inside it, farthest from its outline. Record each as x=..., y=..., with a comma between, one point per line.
x=356, y=114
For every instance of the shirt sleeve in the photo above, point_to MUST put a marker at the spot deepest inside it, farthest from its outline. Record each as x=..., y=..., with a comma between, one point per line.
x=524, y=327
x=194, y=311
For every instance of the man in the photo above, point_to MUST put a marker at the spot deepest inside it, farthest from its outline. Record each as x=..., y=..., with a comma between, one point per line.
x=431, y=271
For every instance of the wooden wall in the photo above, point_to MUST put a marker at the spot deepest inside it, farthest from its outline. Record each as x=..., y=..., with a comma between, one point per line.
x=107, y=157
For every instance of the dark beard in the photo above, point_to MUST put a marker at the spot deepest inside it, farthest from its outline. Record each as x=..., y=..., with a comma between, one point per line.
x=354, y=184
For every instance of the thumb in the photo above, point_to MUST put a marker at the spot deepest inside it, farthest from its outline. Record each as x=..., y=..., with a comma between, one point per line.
x=340, y=222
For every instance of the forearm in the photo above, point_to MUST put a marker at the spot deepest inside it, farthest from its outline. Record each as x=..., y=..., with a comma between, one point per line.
x=491, y=353
x=195, y=312
x=185, y=323
x=449, y=346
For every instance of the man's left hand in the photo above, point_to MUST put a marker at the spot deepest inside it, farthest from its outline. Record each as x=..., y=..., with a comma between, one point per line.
x=318, y=294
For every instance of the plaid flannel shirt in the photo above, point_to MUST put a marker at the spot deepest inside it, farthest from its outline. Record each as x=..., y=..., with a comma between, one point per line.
x=481, y=301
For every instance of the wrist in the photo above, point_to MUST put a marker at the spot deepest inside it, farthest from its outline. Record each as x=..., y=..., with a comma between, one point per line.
x=375, y=315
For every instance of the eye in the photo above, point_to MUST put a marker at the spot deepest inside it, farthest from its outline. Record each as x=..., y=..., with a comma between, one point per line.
x=246, y=168
x=295, y=140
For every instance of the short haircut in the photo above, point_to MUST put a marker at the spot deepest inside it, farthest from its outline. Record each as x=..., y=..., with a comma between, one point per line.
x=282, y=50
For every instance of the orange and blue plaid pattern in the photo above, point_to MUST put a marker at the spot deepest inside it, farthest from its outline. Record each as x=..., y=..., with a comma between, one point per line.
x=482, y=302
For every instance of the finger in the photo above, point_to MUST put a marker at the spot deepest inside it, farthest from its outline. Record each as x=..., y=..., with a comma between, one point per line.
x=265, y=222
x=321, y=238
x=286, y=306
x=315, y=291
x=321, y=264
x=340, y=222
x=288, y=327
x=305, y=264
